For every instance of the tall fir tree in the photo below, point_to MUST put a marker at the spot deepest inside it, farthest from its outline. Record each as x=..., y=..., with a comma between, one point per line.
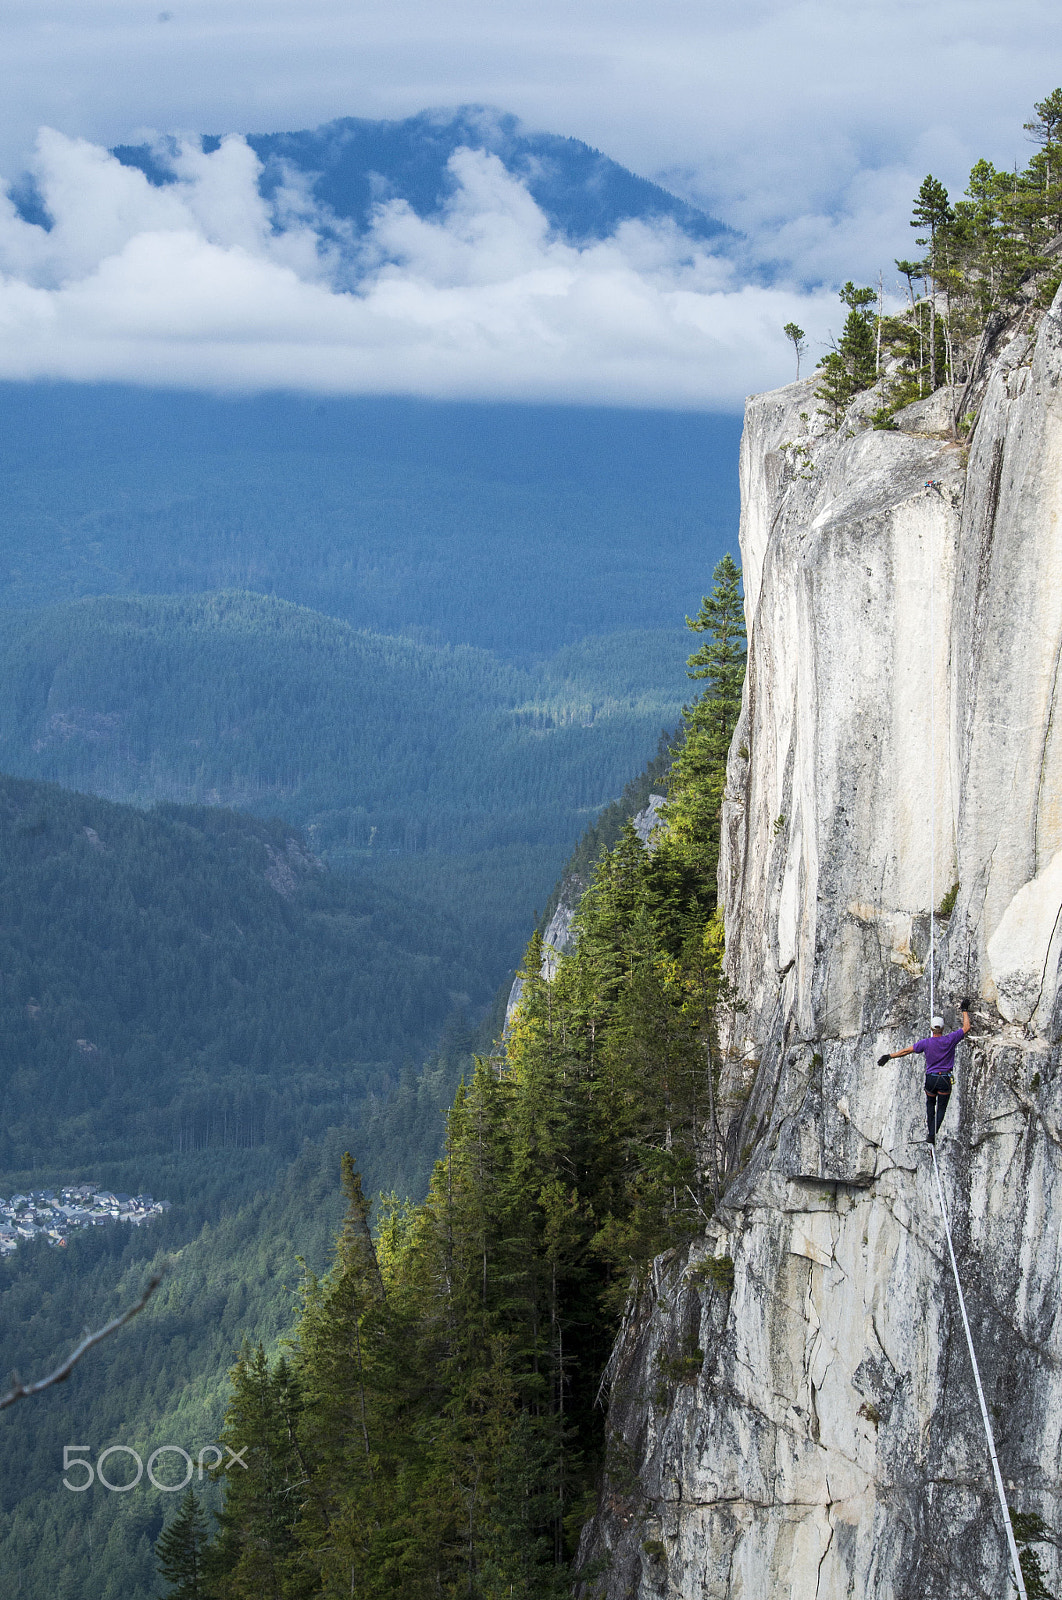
x=853, y=364
x=686, y=861
x=258, y=1554
x=181, y=1551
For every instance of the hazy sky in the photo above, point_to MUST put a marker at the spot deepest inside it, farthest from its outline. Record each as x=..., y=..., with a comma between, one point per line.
x=805, y=125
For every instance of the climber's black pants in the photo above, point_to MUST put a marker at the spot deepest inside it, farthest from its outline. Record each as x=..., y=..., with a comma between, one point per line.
x=938, y=1093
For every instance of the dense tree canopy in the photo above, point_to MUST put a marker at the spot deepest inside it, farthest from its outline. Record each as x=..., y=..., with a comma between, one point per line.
x=434, y=1429
x=191, y=978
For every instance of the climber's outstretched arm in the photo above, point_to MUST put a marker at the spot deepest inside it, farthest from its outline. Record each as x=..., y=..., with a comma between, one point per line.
x=892, y=1054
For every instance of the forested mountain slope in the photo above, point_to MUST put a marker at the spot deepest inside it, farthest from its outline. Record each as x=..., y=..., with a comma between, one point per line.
x=158, y=941
x=230, y=1248
x=188, y=1001
x=380, y=743
x=519, y=530
x=457, y=779
x=202, y=1131
x=516, y=529
x=188, y=977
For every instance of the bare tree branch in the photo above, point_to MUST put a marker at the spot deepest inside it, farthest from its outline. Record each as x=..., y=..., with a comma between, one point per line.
x=19, y=1391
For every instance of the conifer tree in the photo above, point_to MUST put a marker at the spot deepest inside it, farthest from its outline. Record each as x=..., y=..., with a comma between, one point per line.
x=857, y=347
x=699, y=773
x=1045, y=130
x=853, y=364
x=334, y=1377
x=910, y=270
x=795, y=335
x=181, y=1549
x=932, y=211
x=258, y=1554
x=721, y=661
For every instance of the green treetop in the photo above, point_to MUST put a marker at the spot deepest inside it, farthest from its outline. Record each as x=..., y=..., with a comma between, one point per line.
x=852, y=364
x=795, y=335
x=181, y=1551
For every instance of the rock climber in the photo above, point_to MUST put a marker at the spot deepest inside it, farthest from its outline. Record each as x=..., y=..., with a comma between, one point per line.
x=939, y=1051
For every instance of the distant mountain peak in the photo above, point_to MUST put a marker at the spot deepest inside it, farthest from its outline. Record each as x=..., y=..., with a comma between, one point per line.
x=353, y=163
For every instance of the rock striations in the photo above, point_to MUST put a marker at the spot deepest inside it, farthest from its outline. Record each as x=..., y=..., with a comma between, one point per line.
x=792, y=1412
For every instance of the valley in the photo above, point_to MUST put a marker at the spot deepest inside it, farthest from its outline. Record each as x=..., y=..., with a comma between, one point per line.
x=302, y=707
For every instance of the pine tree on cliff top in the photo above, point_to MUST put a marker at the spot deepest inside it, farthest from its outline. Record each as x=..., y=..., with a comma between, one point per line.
x=1045, y=129
x=853, y=364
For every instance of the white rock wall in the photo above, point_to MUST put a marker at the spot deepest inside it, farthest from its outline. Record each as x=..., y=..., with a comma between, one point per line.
x=812, y=1431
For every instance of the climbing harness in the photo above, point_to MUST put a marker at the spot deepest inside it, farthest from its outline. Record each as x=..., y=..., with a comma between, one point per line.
x=1015, y=1563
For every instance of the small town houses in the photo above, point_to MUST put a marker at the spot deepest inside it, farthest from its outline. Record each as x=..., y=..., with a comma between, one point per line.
x=54, y=1214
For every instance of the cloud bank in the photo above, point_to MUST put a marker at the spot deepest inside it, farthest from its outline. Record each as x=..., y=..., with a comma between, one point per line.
x=203, y=284
x=807, y=124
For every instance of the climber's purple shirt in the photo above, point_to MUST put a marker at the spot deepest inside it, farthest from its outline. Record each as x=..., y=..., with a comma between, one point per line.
x=940, y=1052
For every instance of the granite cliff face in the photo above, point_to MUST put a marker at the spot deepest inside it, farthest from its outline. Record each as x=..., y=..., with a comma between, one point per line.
x=792, y=1411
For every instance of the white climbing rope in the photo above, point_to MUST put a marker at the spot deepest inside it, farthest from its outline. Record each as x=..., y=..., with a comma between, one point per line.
x=932, y=781
x=1015, y=1563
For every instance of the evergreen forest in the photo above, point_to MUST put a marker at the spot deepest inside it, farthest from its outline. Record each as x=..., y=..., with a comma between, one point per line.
x=193, y=1004
x=514, y=529
x=193, y=994
x=213, y=1006
x=189, y=978
x=436, y=637
x=232, y=1248
x=467, y=801
x=433, y=1428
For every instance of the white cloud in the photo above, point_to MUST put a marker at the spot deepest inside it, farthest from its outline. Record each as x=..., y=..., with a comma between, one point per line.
x=806, y=123
x=191, y=284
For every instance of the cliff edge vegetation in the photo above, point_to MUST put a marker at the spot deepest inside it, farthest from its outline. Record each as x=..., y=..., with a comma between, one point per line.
x=980, y=257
